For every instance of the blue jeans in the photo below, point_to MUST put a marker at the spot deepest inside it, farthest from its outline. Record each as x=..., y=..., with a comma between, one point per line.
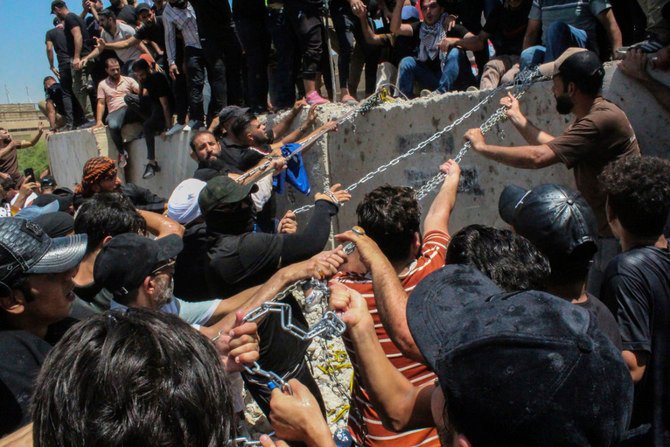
x=116, y=120
x=558, y=38
x=456, y=74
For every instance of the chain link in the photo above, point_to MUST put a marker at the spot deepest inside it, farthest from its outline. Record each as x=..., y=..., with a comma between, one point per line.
x=244, y=442
x=418, y=147
x=522, y=84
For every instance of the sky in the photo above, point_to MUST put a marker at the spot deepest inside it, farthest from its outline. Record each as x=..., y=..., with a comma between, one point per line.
x=23, y=60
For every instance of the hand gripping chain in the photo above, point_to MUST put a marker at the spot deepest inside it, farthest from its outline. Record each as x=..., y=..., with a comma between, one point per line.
x=523, y=83
x=244, y=442
x=371, y=102
x=525, y=77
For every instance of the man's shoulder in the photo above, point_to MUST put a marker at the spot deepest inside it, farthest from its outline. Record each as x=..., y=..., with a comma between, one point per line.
x=637, y=259
x=126, y=30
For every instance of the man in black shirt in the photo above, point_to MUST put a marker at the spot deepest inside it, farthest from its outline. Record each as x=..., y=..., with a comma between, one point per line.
x=78, y=46
x=154, y=105
x=637, y=286
x=36, y=284
x=54, y=107
x=222, y=257
x=564, y=228
x=55, y=42
x=124, y=13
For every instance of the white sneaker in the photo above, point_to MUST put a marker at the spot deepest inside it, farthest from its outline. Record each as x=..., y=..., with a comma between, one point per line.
x=193, y=125
x=174, y=129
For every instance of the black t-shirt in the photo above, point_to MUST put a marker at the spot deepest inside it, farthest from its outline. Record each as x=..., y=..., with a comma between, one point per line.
x=213, y=17
x=158, y=87
x=637, y=286
x=249, y=8
x=153, y=31
x=55, y=94
x=605, y=319
x=93, y=27
x=507, y=28
x=22, y=355
x=71, y=21
x=126, y=14
x=241, y=158
x=57, y=37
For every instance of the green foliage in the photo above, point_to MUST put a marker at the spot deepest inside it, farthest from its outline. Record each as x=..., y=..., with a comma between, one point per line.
x=34, y=157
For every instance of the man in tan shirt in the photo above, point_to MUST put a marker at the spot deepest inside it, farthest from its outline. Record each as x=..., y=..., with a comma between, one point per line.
x=599, y=134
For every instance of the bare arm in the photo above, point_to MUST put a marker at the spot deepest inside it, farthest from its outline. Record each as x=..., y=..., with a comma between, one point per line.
x=280, y=129
x=160, y=225
x=389, y=293
x=525, y=157
x=22, y=437
x=400, y=404
x=99, y=112
x=472, y=42
x=143, y=48
x=440, y=210
x=122, y=44
x=637, y=363
x=606, y=18
x=50, y=58
x=78, y=43
x=51, y=113
x=532, y=33
x=25, y=143
x=533, y=135
x=297, y=133
x=635, y=66
x=397, y=27
x=370, y=37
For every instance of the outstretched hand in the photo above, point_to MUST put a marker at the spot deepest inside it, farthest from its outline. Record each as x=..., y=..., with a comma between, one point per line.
x=239, y=346
x=336, y=195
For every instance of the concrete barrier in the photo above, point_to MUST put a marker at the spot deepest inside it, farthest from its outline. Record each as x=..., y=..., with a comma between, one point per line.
x=384, y=133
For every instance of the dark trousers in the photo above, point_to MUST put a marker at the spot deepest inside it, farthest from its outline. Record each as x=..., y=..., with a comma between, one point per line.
x=306, y=24
x=283, y=354
x=72, y=111
x=286, y=70
x=115, y=122
x=348, y=28
x=151, y=112
x=255, y=38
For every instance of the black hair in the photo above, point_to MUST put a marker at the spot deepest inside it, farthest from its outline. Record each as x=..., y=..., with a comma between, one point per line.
x=107, y=13
x=638, y=192
x=442, y=3
x=240, y=125
x=107, y=214
x=510, y=260
x=111, y=59
x=132, y=378
x=197, y=135
x=391, y=216
x=141, y=65
x=47, y=78
x=589, y=85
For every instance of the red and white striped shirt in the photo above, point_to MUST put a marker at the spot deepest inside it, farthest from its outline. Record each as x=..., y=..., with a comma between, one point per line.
x=433, y=251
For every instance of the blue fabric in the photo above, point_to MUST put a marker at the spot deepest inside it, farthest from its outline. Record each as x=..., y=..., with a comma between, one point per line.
x=456, y=74
x=295, y=174
x=560, y=37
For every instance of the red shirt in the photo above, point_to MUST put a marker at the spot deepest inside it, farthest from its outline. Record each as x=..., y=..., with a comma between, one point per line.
x=433, y=251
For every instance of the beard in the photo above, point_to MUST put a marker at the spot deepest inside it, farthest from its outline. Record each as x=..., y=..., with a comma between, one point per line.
x=165, y=288
x=7, y=140
x=564, y=104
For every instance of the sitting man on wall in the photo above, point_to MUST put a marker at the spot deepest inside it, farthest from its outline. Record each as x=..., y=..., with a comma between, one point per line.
x=111, y=93
x=436, y=67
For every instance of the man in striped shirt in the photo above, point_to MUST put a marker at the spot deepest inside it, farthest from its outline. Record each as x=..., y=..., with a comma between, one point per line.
x=391, y=217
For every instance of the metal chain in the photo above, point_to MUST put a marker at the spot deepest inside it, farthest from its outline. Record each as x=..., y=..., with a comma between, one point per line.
x=416, y=148
x=523, y=83
x=244, y=442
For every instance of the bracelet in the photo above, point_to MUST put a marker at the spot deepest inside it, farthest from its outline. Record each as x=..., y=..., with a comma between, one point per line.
x=332, y=197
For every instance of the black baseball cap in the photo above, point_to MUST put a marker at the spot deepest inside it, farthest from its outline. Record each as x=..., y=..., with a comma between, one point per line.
x=26, y=249
x=56, y=224
x=48, y=180
x=524, y=367
x=230, y=112
x=57, y=4
x=128, y=258
x=555, y=218
x=574, y=63
x=142, y=7
x=222, y=190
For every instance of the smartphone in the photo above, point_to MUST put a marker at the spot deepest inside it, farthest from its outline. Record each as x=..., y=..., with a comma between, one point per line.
x=29, y=173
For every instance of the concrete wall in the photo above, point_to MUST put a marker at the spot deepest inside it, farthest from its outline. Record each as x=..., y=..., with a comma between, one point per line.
x=384, y=133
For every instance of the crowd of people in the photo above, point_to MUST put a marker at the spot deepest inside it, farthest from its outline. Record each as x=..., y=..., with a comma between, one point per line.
x=124, y=316
x=136, y=62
